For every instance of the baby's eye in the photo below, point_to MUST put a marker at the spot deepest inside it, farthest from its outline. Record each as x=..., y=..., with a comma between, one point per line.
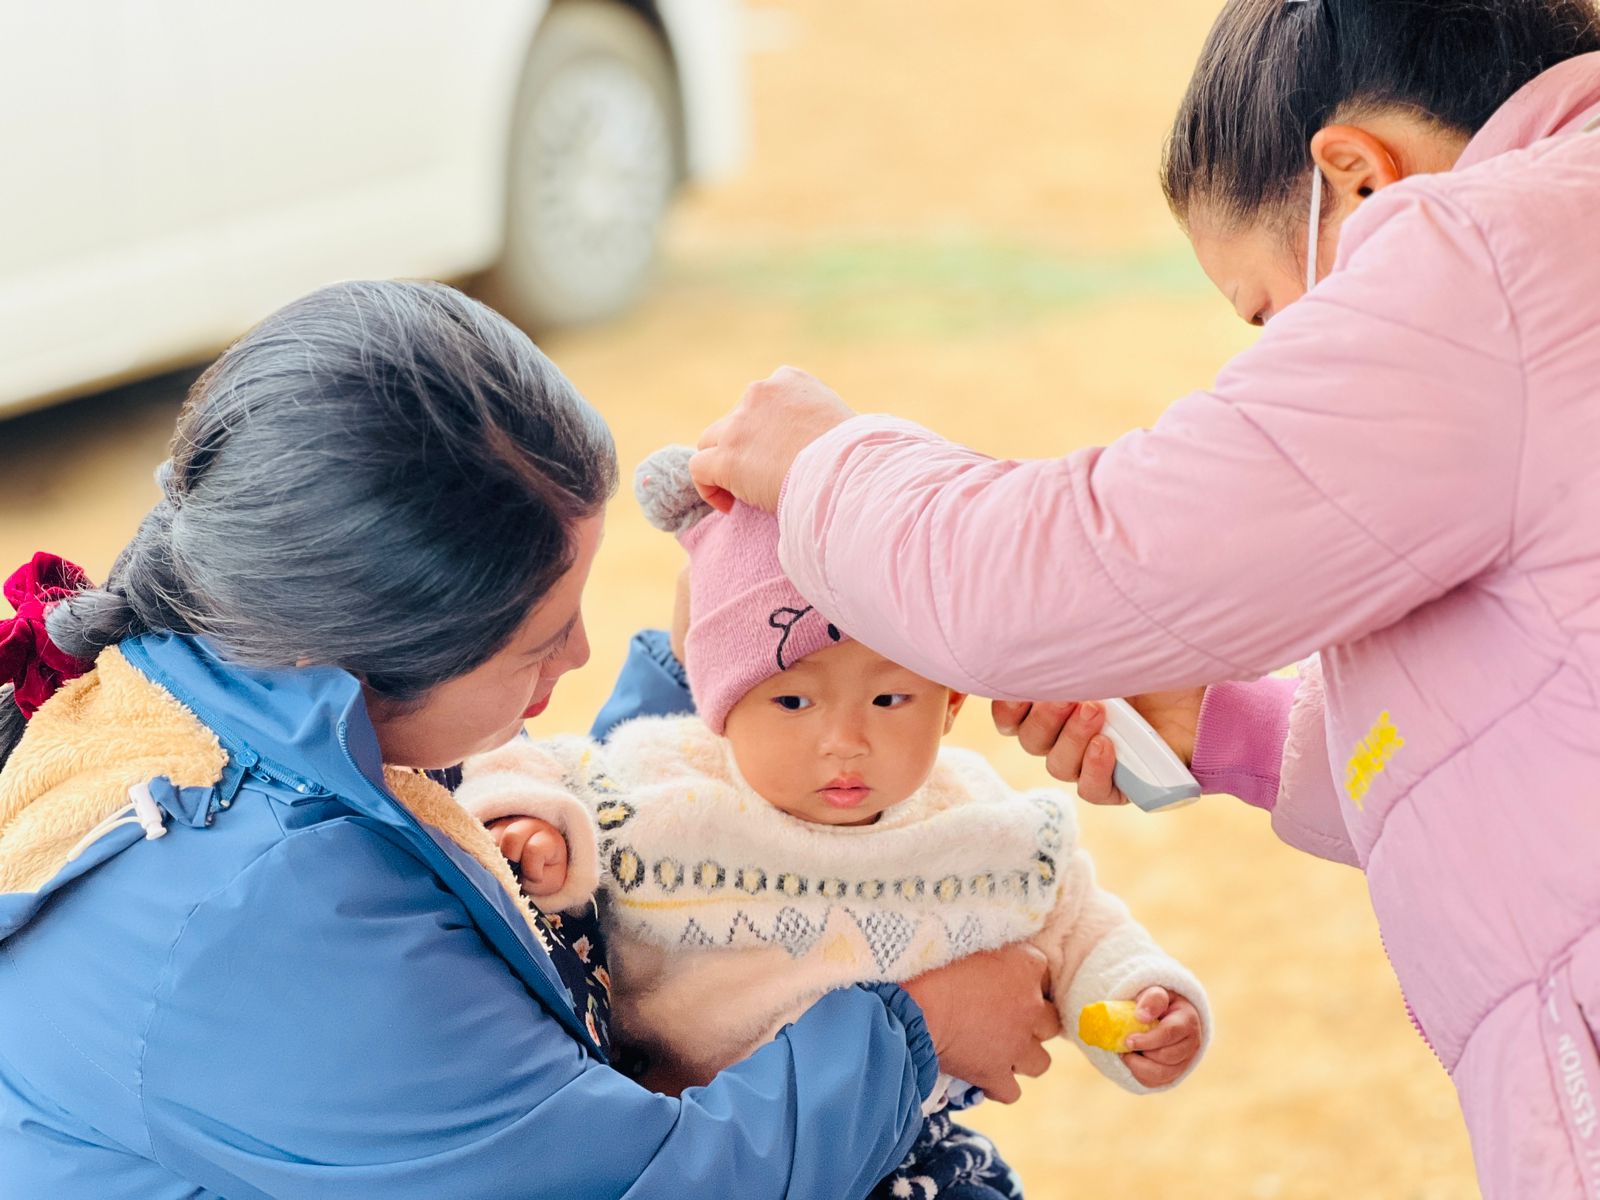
x=892, y=699
x=791, y=703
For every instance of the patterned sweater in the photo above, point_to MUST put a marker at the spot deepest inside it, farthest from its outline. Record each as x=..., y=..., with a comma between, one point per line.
x=727, y=917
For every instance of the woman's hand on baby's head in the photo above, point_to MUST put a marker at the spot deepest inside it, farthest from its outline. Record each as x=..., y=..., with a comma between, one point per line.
x=748, y=453
x=536, y=851
x=1161, y=1055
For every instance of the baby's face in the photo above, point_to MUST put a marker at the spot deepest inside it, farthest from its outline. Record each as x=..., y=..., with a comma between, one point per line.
x=841, y=735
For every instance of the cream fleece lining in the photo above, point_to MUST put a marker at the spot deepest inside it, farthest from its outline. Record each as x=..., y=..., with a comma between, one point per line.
x=112, y=729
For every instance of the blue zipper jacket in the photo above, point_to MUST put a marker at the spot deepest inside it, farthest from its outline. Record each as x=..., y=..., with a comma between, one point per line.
x=300, y=991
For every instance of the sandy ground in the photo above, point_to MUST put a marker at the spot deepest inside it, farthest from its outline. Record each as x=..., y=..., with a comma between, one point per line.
x=954, y=215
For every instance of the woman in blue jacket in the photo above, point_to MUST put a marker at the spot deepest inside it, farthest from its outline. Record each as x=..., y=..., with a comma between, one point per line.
x=239, y=955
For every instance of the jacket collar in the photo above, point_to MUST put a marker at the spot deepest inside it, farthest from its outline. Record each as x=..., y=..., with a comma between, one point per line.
x=1562, y=100
x=305, y=726
x=308, y=728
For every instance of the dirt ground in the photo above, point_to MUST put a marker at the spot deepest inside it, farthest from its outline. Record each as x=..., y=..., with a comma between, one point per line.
x=951, y=212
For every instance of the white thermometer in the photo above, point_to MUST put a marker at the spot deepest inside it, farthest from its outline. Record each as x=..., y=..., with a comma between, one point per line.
x=1148, y=772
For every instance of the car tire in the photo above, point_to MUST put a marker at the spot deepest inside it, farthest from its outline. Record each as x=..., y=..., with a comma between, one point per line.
x=595, y=157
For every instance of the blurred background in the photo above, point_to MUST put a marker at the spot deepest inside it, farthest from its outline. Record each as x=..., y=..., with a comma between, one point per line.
x=946, y=210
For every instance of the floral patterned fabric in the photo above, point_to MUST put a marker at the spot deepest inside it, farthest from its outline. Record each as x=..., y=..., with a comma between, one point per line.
x=950, y=1162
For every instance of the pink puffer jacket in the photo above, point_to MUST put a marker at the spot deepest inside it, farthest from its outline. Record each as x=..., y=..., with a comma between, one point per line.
x=1403, y=473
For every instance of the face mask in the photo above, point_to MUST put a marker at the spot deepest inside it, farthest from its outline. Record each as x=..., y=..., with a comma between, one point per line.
x=1313, y=237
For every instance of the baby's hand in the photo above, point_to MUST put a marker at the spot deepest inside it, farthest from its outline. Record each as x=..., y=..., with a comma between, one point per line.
x=536, y=851
x=1161, y=1055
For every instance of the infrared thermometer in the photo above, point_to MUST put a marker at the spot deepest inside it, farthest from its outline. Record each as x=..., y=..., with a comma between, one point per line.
x=1148, y=772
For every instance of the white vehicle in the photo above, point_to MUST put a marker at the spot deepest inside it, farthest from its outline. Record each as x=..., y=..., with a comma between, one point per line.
x=173, y=170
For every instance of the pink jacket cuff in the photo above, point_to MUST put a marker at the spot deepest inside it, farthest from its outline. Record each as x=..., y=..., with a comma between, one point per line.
x=1238, y=748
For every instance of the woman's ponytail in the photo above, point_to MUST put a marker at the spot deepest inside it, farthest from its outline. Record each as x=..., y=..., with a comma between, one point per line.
x=143, y=593
x=33, y=664
x=63, y=621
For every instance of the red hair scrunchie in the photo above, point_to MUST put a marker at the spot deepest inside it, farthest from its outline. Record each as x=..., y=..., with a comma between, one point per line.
x=29, y=660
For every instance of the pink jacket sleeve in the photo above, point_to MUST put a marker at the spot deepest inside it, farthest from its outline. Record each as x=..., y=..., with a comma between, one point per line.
x=1359, y=460
x=1266, y=743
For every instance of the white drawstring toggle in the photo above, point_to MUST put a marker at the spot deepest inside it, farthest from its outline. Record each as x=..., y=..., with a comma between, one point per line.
x=143, y=811
x=147, y=812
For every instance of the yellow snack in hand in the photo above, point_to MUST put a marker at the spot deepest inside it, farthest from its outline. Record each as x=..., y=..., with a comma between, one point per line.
x=1109, y=1024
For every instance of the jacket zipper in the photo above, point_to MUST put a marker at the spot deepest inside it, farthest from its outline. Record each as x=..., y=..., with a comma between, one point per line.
x=461, y=875
x=1411, y=1013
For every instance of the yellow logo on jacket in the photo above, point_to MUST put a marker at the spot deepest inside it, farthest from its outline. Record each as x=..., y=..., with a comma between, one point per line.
x=1371, y=756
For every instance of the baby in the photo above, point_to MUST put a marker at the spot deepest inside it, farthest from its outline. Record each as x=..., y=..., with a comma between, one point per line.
x=806, y=832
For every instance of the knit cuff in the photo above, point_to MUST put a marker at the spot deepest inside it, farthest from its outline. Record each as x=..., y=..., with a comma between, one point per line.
x=1121, y=967
x=1238, y=746
x=520, y=780
x=918, y=1040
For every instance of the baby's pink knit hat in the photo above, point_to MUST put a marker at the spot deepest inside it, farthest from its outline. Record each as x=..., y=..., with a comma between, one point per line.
x=746, y=621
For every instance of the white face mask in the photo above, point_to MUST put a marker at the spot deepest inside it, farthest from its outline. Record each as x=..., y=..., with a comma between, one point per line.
x=1314, y=236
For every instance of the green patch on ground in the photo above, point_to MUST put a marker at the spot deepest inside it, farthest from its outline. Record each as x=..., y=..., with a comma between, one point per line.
x=952, y=287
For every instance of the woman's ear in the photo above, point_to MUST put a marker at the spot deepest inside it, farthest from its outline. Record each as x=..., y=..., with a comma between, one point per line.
x=957, y=699
x=1354, y=162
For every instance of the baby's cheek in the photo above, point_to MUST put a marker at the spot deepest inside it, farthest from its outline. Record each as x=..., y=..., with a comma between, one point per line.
x=771, y=768
x=919, y=763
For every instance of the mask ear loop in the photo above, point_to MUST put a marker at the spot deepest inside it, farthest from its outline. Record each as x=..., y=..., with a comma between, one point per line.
x=1313, y=239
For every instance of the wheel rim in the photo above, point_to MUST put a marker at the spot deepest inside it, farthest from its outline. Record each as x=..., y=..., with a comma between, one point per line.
x=596, y=175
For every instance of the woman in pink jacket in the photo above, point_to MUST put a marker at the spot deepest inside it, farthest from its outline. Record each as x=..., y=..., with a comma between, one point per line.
x=1400, y=477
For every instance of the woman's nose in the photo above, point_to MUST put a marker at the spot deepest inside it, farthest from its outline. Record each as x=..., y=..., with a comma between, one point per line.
x=576, y=652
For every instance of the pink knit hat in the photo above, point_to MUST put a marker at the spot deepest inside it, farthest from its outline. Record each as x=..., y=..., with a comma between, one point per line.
x=746, y=621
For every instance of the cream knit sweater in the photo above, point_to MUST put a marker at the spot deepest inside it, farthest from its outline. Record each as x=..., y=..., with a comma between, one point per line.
x=727, y=918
